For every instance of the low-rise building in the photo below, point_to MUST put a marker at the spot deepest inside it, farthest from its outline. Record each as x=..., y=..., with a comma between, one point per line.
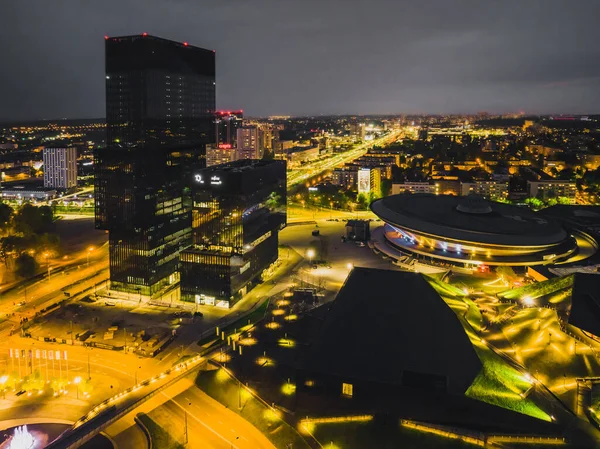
x=344, y=177
x=554, y=188
x=413, y=187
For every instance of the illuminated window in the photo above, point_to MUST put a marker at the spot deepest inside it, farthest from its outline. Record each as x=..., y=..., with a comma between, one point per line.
x=347, y=389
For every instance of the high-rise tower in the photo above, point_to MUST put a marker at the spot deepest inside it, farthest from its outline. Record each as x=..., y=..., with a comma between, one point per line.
x=160, y=103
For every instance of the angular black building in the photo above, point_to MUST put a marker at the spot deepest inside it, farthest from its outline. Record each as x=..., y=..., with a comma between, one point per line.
x=238, y=210
x=160, y=104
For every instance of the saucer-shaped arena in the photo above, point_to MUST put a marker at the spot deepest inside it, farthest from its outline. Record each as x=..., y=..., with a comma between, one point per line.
x=469, y=231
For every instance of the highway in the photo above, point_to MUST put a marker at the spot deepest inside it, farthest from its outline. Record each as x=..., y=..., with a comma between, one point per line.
x=210, y=424
x=297, y=176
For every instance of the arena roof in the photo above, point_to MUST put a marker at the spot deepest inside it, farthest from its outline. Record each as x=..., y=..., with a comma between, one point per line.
x=373, y=333
x=469, y=219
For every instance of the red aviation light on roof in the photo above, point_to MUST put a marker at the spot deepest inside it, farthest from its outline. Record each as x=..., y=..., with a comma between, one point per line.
x=144, y=34
x=185, y=44
x=105, y=38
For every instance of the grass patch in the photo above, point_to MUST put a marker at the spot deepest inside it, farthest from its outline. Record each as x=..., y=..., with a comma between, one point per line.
x=501, y=385
x=497, y=383
x=222, y=388
x=161, y=439
x=539, y=289
x=380, y=435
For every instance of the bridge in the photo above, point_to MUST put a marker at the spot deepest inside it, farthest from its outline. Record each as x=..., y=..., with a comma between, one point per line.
x=116, y=407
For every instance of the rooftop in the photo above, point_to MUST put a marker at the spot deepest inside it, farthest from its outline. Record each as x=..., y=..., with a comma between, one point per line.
x=470, y=220
x=401, y=326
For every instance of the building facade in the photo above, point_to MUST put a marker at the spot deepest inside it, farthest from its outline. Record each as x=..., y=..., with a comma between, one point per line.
x=544, y=190
x=250, y=143
x=226, y=125
x=238, y=210
x=222, y=153
x=160, y=103
x=60, y=168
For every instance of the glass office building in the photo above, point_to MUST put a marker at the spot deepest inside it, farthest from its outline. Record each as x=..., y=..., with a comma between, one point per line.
x=160, y=104
x=238, y=210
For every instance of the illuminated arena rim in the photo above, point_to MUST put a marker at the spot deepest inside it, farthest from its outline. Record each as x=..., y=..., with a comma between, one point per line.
x=469, y=231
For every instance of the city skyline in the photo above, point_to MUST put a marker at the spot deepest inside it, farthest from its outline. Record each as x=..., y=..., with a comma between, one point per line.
x=315, y=59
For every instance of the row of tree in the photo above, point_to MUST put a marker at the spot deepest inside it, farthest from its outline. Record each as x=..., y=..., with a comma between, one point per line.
x=26, y=232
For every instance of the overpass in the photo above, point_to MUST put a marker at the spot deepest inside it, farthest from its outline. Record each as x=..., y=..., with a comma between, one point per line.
x=116, y=407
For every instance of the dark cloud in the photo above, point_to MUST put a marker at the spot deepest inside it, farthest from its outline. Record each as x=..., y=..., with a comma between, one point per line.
x=317, y=56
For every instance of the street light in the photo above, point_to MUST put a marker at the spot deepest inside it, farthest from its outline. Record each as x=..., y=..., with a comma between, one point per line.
x=349, y=266
x=310, y=253
x=77, y=381
x=89, y=251
x=47, y=256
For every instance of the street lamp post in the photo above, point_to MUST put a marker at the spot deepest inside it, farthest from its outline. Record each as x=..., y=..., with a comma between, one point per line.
x=89, y=251
x=77, y=380
x=310, y=253
x=47, y=257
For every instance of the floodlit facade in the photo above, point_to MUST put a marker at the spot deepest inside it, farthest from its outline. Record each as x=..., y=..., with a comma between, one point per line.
x=238, y=210
x=60, y=168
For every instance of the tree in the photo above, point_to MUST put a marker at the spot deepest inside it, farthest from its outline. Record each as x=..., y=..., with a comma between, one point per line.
x=33, y=220
x=25, y=266
x=6, y=214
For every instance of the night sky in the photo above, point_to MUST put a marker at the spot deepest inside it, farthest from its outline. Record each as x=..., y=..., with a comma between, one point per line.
x=301, y=57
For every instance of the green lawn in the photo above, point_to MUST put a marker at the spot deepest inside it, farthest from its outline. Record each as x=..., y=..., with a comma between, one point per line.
x=221, y=387
x=161, y=439
x=380, y=435
x=498, y=383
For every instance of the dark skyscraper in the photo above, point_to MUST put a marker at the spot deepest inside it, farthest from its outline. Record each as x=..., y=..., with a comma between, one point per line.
x=238, y=210
x=160, y=103
x=226, y=126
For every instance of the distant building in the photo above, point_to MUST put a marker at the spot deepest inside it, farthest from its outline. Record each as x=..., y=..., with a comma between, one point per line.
x=60, y=167
x=27, y=194
x=344, y=177
x=369, y=180
x=250, y=143
x=358, y=130
x=219, y=154
x=493, y=190
x=226, y=125
x=413, y=187
x=544, y=190
x=448, y=186
x=299, y=155
x=238, y=210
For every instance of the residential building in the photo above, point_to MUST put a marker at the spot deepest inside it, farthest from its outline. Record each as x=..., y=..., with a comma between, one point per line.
x=60, y=168
x=250, y=143
x=344, y=177
x=414, y=187
x=544, y=190
x=369, y=180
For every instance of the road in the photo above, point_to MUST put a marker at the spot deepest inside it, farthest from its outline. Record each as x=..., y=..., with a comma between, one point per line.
x=317, y=167
x=210, y=424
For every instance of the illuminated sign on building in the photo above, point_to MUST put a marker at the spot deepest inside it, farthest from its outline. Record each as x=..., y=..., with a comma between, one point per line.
x=364, y=180
x=214, y=180
x=225, y=146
